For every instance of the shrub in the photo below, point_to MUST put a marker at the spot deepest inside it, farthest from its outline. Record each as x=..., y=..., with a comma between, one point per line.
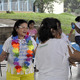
x=10, y=12
x=77, y=11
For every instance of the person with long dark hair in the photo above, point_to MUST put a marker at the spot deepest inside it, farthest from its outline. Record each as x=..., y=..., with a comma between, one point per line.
x=20, y=47
x=53, y=53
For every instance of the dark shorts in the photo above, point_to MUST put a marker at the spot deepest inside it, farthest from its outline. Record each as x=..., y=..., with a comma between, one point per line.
x=77, y=39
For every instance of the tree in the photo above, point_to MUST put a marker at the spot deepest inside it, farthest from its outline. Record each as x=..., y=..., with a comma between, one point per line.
x=43, y=4
x=72, y=4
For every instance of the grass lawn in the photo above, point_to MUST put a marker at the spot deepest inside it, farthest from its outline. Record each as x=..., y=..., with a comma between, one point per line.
x=65, y=18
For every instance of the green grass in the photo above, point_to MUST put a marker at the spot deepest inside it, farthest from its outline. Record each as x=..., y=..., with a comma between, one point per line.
x=65, y=18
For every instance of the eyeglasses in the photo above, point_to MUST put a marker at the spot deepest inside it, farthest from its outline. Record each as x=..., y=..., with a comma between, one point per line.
x=23, y=27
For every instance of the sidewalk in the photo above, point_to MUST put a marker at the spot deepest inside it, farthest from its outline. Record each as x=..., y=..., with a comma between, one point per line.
x=75, y=72
x=3, y=71
x=6, y=23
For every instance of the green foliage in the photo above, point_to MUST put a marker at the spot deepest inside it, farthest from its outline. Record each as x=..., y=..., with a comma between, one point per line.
x=77, y=11
x=72, y=4
x=10, y=12
x=65, y=18
x=41, y=4
x=69, y=10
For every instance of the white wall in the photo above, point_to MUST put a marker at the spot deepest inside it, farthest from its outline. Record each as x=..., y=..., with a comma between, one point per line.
x=58, y=8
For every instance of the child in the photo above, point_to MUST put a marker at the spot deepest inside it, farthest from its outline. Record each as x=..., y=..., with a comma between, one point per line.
x=53, y=52
x=33, y=31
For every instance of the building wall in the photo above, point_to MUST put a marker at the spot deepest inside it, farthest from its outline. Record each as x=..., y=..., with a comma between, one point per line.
x=16, y=5
x=27, y=5
x=5, y=32
x=57, y=8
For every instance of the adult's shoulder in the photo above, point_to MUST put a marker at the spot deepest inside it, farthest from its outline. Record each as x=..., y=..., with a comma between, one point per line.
x=55, y=40
x=6, y=44
x=9, y=39
x=61, y=42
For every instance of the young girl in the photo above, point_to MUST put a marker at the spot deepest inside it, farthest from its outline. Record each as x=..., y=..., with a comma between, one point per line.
x=76, y=27
x=53, y=52
x=32, y=31
x=20, y=47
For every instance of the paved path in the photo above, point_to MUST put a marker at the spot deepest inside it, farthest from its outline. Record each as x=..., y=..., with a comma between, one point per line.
x=6, y=22
x=3, y=71
x=75, y=73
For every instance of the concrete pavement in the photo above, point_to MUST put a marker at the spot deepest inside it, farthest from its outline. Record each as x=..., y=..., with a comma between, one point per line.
x=6, y=23
x=75, y=72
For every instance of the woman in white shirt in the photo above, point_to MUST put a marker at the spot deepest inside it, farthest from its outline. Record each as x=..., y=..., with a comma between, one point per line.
x=52, y=53
x=76, y=27
x=20, y=47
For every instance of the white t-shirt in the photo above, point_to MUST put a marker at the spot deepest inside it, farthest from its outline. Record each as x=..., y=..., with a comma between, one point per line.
x=7, y=47
x=52, y=60
x=78, y=25
x=64, y=37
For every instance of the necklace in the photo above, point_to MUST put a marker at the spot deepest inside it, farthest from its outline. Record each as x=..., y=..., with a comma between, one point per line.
x=29, y=53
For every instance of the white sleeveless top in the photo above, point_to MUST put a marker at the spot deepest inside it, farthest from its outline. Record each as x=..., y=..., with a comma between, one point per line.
x=7, y=47
x=52, y=60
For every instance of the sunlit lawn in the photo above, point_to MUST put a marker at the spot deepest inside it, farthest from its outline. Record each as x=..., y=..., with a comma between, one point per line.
x=65, y=18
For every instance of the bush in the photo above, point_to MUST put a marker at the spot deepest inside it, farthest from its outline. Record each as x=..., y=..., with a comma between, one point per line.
x=10, y=12
x=77, y=11
x=69, y=10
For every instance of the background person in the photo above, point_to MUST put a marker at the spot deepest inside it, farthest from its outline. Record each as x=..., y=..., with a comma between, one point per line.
x=33, y=31
x=76, y=27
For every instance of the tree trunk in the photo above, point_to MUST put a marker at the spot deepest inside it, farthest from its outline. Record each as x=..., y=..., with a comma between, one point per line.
x=41, y=6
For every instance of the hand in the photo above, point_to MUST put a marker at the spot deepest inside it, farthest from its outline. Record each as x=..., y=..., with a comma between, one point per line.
x=71, y=62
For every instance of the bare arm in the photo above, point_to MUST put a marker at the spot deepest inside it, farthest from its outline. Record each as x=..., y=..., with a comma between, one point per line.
x=3, y=56
x=70, y=33
x=74, y=57
x=34, y=51
x=77, y=29
x=35, y=37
